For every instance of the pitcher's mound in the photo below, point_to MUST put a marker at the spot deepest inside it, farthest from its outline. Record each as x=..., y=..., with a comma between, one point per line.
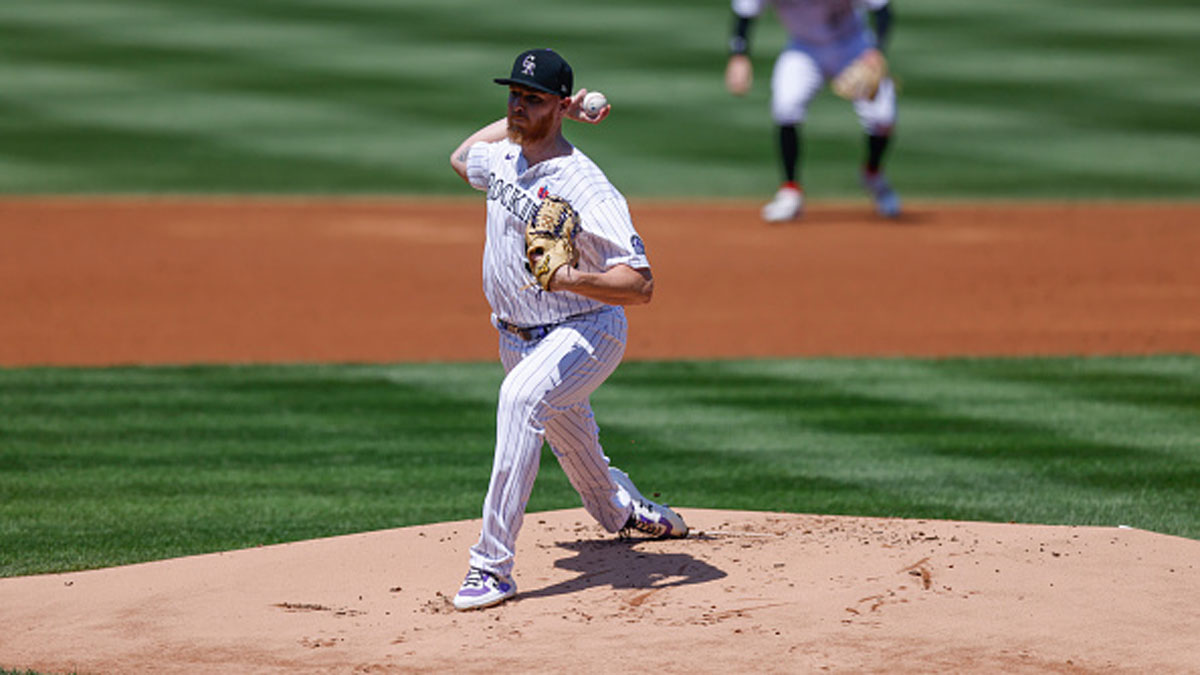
x=748, y=592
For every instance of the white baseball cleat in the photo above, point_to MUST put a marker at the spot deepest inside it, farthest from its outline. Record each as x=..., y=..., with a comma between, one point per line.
x=887, y=202
x=787, y=204
x=657, y=520
x=483, y=589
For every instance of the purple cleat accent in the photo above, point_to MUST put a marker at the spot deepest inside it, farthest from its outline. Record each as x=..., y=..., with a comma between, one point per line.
x=652, y=518
x=483, y=589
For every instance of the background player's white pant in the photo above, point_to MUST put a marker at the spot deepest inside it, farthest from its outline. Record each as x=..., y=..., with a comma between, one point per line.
x=800, y=72
x=545, y=396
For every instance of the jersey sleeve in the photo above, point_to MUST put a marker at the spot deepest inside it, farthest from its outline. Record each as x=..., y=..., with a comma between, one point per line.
x=748, y=8
x=614, y=241
x=479, y=161
x=874, y=5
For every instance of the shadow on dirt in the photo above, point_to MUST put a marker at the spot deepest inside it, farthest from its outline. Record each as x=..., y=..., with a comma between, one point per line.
x=858, y=215
x=625, y=564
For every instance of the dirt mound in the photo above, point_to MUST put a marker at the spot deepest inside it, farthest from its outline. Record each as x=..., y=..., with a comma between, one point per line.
x=748, y=592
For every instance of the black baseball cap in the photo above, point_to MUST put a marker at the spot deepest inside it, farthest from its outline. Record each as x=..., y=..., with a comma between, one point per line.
x=541, y=69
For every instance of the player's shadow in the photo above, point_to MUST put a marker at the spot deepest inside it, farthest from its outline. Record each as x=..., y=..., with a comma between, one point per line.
x=625, y=563
x=858, y=215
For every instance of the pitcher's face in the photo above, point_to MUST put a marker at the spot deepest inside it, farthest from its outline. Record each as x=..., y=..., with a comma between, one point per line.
x=532, y=115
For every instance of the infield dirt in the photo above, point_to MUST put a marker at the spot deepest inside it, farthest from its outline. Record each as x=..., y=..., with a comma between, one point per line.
x=95, y=282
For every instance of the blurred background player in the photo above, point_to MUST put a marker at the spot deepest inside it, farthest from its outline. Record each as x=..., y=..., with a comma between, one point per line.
x=824, y=37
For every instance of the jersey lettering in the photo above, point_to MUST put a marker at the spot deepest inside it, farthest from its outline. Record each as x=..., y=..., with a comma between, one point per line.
x=514, y=200
x=513, y=191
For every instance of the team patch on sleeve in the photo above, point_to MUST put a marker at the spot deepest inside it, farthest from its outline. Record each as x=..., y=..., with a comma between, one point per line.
x=635, y=242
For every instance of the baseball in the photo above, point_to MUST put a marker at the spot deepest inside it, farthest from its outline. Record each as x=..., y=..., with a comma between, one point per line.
x=594, y=102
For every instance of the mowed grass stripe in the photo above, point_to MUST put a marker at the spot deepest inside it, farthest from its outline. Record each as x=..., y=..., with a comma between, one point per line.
x=1079, y=94
x=1033, y=99
x=836, y=435
x=229, y=95
x=110, y=466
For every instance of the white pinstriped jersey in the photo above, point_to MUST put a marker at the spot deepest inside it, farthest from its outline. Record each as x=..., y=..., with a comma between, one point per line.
x=814, y=21
x=607, y=237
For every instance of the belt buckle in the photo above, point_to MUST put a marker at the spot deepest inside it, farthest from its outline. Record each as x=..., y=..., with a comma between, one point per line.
x=526, y=334
x=513, y=328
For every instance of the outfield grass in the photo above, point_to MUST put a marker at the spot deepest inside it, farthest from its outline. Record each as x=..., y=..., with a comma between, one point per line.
x=1076, y=99
x=102, y=467
x=1027, y=98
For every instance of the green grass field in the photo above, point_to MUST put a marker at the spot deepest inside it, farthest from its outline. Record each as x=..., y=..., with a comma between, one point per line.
x=1075, y=99
x=1046, y=99
x=109, y=466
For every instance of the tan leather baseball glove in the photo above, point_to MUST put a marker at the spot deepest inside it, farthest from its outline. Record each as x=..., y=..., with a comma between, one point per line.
x=860, y=79
x=550, y=239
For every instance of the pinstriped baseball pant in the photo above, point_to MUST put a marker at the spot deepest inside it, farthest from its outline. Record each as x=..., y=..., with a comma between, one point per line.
x=801, y=70
x=545, y=397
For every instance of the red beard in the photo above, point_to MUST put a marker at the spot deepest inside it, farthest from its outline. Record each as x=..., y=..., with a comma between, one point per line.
x=535, y=130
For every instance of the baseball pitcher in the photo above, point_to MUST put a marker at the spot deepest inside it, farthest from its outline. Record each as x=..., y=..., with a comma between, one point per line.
x=560, y=260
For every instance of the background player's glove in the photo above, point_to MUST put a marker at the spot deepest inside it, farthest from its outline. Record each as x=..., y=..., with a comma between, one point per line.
x=550, y=239
x=860, y=79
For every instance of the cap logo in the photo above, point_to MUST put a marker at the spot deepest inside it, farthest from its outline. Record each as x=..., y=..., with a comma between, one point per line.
x=528, y=65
